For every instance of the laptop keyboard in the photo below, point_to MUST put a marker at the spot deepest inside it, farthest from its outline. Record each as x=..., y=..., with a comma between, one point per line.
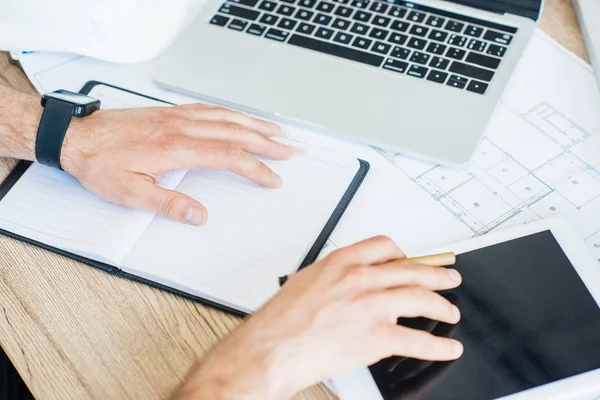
x=402, y=37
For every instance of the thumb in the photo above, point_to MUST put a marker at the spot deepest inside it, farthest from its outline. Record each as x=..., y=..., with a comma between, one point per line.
x=146, y=195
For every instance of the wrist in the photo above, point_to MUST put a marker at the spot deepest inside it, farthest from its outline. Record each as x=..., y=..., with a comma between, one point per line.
x=20, y=115
x=74, y=152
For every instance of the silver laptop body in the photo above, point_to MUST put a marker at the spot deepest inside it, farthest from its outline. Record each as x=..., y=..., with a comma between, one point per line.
x=419, y=78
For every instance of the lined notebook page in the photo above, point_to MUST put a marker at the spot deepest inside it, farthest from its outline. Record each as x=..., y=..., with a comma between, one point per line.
x=253, y=235
x=50, y=206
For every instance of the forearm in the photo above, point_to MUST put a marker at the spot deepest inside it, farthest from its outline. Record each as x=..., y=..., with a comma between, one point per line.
x=19, y=118
x=241, y=368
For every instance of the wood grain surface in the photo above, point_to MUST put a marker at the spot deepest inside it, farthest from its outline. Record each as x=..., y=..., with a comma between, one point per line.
x=77, y=333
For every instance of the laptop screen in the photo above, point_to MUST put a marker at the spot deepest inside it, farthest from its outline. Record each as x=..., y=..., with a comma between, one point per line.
x=525, y=8
x=527, y=320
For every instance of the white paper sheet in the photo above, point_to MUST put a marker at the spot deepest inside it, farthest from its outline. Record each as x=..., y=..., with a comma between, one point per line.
x=540, y=155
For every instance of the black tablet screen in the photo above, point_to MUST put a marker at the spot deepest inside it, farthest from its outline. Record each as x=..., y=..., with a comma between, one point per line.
x=528, y=320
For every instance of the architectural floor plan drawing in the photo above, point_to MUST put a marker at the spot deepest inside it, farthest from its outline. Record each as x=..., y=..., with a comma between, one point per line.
x=525, y=169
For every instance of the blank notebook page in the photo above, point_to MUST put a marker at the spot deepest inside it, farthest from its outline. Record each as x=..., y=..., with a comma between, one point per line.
x=51, y=206
x=253, y=235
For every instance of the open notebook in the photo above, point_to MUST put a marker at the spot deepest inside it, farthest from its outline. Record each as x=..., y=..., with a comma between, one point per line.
x=254, y=235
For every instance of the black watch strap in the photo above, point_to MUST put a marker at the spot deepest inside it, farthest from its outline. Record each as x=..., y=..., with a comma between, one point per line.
x=51, y=131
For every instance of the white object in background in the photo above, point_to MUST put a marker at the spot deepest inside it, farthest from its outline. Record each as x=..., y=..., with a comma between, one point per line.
x=126, y=31
x=588, y=12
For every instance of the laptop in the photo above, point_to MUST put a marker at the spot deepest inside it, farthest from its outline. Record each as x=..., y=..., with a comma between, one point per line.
x=421, y=78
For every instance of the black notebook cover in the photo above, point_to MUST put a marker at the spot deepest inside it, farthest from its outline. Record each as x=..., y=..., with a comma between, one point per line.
x=311, y=257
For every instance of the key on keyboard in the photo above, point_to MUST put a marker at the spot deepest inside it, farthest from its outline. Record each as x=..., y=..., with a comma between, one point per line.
x=417, y=16
x=323, y=19
x=417, y=43
x=325, y=7
x=498, y=37
x=438, y=35
x=484, y=61
x=477, y=45
x=362, y=16
x=397, y=38
x=395, y=65
x=304, y=15
x=219, y=20
x=435, y=21
x=341, y=23
x=400, y=26
x=238, y=25
x=360, y=3
x=437, y=76
x=344, y=38
x=267, y=5
x=256, y=29
x=379, y=7
x=400, y=52
x=268, y=19
x=324, y=33
x=382, y=21
x=436, y=48
x=277, y=34
x=377, y=33
x=343, y=11
x=359, y=28
x=471, y=71
x=420, y=58
x=305, y=28
x=455, y=53
x=286, y=10
x=397, y=12
x=307, y=3
x=419, y=30
x=381, y=48
x=455, y=26
x=496, y=50
x=458, y=41
x=417, y=71
x=287, y=24
x=362, y=43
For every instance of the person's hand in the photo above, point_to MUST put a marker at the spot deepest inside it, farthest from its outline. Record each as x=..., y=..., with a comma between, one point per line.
x=120, y=154
x=333, y=317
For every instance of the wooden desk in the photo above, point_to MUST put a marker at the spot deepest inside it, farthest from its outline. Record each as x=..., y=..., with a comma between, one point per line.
x=74, y=332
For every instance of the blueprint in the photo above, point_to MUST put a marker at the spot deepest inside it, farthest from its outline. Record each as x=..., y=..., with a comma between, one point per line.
x=536, y=160
x=539, y=157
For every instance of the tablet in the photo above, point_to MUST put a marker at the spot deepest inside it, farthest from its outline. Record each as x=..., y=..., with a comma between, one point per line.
x=530, y=325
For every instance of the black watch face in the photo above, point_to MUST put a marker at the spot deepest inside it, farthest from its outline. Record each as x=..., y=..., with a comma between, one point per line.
x=84, y=105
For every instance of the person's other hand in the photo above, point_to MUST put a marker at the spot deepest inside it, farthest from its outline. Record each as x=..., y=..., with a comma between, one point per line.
x=120, y=154
x=333, y=317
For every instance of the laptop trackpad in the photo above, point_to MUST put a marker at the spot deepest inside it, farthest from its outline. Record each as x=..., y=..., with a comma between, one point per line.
x=324, y=90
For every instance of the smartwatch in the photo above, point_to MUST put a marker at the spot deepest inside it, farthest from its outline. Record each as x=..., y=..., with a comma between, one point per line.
x=59, y=107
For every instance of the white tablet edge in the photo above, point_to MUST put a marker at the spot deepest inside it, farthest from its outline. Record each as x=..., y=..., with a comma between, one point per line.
x=359, y=385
